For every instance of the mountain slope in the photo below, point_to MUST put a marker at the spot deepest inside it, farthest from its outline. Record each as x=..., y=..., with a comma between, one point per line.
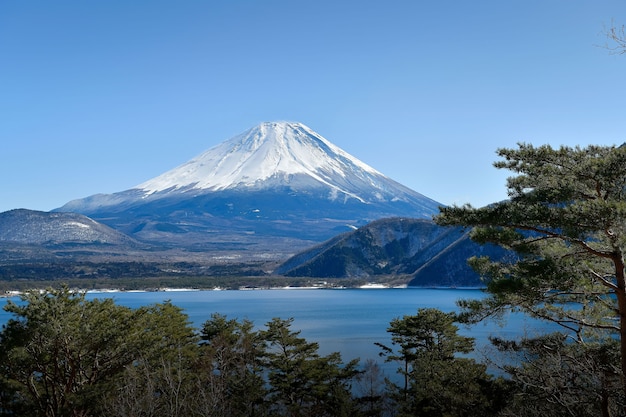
x=41, y=245
x=449, y=268
x=274, y=156
x=268, y=154
x=275, y=189
x=42, y=228
x=387, y=246
x=429, y=255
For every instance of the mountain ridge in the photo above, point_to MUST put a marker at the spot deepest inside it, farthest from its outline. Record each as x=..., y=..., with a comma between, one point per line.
x=278, y=180
x=44, y=228
x=383, y=247
x=277, y=199
x=425, y=254
x=271, y=149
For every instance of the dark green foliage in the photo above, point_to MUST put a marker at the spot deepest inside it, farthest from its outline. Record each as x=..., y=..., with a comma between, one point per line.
x=231, y=373
x=64, y=355
x=436, y=381
x=63, y=352
x=566, y=222
x=302, y=382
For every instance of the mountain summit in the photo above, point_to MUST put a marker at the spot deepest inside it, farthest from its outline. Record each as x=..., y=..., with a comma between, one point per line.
x=270, y=154
x=277, y=182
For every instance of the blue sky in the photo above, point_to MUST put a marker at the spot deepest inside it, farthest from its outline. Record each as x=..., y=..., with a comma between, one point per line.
x=97, y=97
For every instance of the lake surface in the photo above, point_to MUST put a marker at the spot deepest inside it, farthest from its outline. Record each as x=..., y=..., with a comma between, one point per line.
x=346, y=320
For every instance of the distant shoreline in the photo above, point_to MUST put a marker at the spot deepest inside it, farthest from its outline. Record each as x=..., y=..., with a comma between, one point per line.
x=17, y=293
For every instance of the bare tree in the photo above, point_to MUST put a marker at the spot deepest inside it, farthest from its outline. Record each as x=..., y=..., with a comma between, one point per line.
x=616, y=36
x=370, y=391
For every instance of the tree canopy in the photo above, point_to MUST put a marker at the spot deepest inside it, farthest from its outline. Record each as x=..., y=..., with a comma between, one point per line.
x=61, y=352
x=565, y=227
x=436, y=381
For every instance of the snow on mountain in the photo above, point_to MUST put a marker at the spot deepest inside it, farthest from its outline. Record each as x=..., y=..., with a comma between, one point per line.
x=279, y=183
x=271, y=156
x=38, y=227
x=271, y=153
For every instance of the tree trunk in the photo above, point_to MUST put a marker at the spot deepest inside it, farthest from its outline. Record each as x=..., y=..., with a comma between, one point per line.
x=604, y=404
x=621, y=306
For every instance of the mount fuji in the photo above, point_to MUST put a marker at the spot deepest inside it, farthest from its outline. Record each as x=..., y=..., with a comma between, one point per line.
x=272, y=190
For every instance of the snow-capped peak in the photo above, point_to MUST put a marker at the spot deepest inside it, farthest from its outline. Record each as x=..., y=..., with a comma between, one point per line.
x=271, y=150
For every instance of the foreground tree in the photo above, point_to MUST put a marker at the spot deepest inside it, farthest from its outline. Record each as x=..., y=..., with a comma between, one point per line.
x=229, y=372
x=64, y=355
x=370, y=391
x=160, y=379
x=61, y=351
x=565, y=224
x=436, y=381
x=553, y=377
x=303, y=383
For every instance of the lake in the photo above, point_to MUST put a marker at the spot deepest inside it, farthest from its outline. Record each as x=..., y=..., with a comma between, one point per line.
x=346, y=320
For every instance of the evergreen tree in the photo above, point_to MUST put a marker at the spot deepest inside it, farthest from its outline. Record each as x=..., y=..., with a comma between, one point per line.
x=565, y=225
x=64, y=355
x=61, y=351
x=436, y=381
x=160, y=380
x=303, y=383
x=230, y=369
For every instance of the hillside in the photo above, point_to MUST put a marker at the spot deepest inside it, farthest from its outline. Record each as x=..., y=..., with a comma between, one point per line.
x=427, y=254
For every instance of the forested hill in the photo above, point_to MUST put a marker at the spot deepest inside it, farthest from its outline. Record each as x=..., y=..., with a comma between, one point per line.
x=427, y=254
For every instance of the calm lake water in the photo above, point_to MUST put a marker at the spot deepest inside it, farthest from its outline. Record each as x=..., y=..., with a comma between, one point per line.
x=346, y=320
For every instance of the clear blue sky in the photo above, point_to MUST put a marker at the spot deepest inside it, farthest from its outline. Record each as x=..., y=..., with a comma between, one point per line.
x=99, y=96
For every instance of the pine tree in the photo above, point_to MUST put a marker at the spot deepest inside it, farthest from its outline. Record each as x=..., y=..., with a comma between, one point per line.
x=230, y=368
x=61, y=351
x=436, y=381
x=64, y=355
x=565, y=225
x=302, y=382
